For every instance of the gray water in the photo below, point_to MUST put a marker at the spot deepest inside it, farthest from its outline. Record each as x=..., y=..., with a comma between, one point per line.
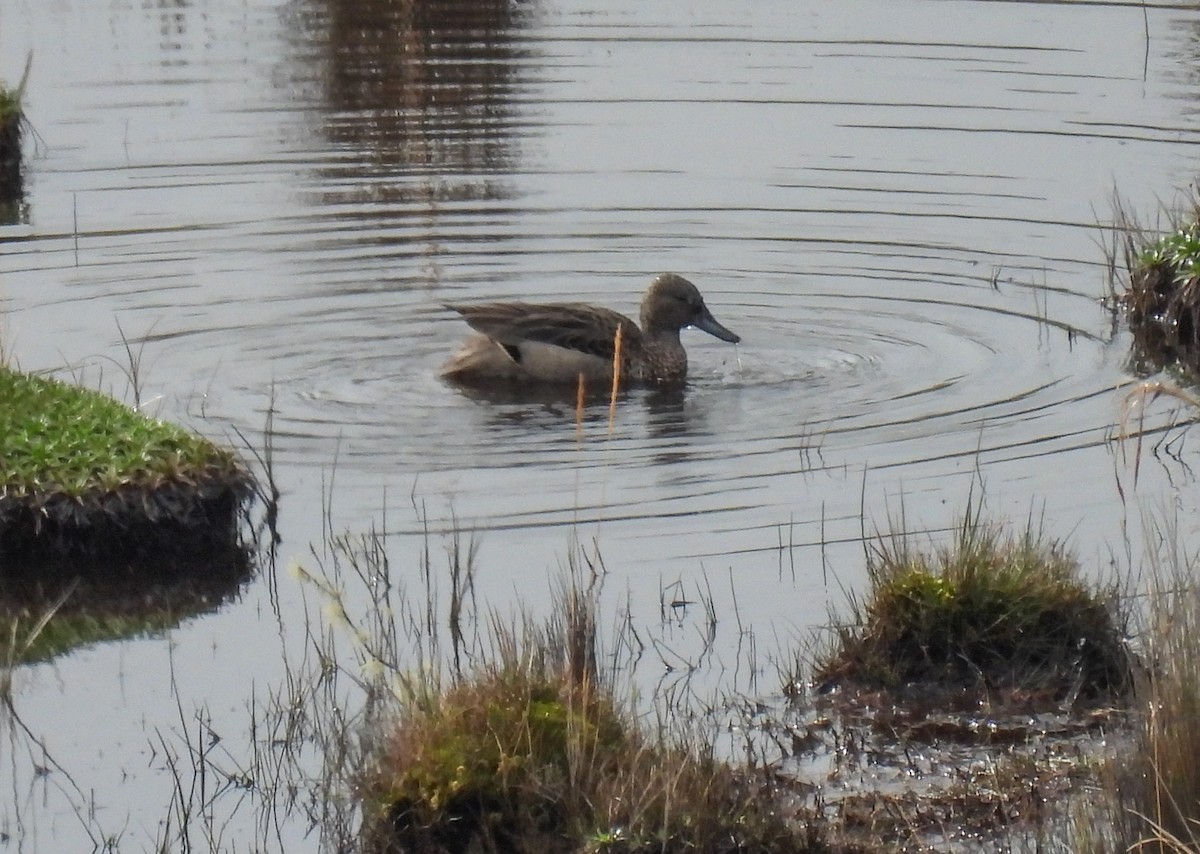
x=898, y=206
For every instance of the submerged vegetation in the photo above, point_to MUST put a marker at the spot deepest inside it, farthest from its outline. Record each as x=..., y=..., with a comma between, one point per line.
x=85, y=474
x=993, y=611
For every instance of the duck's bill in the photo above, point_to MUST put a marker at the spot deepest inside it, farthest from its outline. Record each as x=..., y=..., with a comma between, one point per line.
x=709, y=324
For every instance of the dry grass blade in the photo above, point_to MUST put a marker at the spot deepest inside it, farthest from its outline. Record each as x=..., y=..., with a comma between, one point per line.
x=579, y=402
x=1150, y=796
x=20, y=91
x=616, y=379
x=1137, y=399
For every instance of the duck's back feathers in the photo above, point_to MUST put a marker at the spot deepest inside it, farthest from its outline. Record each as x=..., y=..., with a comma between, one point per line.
x=577, y=327
x=554, y=342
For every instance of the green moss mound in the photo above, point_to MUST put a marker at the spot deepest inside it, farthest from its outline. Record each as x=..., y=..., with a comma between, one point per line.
x=990, y=611
x=81, y=473
x=1162, y=301
x=520, y=762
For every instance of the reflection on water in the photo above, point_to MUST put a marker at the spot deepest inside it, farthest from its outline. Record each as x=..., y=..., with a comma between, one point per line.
x=420, y=98
x=93, y=600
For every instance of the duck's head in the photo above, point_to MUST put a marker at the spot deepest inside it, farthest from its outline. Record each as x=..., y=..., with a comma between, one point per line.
x=672, y=302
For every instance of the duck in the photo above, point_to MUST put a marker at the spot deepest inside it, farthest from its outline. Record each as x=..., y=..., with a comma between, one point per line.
x=522, y=342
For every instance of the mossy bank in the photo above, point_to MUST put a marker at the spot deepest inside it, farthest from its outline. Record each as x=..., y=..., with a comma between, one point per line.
x=84, y=475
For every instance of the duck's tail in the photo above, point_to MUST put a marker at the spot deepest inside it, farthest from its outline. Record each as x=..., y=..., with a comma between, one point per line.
x=480, y=358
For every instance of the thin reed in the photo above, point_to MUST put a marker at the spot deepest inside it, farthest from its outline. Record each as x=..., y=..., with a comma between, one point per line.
x=616, y=379
x=1151, y=796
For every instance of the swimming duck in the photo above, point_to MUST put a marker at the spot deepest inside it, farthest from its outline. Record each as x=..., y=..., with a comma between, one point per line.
x=556, y=342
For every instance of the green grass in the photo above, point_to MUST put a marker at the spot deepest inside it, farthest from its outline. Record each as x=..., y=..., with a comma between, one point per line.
x=990, y=610
x=1179, y=250
x=57, y=438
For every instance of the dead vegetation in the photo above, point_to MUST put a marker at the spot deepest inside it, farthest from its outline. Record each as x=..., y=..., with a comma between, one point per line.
x=1149, y=798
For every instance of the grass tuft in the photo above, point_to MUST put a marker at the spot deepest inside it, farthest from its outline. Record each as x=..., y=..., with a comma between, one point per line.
x=1162, y=298
x=530, y=753
x=991, y=610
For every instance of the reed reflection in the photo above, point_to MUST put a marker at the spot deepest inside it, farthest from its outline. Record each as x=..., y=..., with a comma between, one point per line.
x=422, y=92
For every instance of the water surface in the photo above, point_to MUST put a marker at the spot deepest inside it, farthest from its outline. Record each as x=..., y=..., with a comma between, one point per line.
x=896, y=206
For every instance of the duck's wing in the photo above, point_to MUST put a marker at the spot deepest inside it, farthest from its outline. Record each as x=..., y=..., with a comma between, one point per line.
x=587, y=329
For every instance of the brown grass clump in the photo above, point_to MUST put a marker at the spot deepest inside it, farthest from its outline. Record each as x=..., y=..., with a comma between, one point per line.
x=989, y=612
x=524, y=757
x=1152, y=794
